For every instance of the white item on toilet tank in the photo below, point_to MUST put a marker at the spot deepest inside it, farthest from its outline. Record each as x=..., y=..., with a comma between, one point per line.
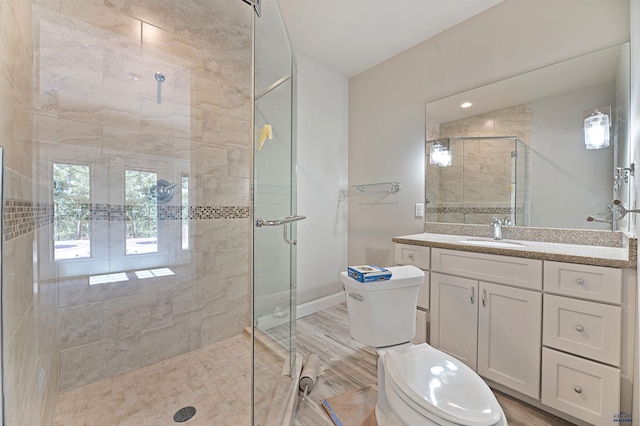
x=382, y=313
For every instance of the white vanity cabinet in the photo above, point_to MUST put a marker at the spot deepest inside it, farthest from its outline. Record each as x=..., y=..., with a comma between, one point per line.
x=486, y=310
x=418, y=256
x=582, y=338
x=560, y=336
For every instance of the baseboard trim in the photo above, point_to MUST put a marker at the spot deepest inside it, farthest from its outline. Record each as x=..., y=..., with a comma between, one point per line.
x=272, y=320
x=312, y=306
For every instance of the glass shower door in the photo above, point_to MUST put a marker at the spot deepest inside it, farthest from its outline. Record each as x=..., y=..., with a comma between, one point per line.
x=274, y=219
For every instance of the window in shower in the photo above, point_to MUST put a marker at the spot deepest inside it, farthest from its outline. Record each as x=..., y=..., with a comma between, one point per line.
x=141, y=212
x=71, y=211
x=184, y=202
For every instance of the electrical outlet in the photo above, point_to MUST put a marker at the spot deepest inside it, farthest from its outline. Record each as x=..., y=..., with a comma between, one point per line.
x=419, y=210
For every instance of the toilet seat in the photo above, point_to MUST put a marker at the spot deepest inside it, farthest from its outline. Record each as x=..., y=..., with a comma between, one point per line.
x=436, y=384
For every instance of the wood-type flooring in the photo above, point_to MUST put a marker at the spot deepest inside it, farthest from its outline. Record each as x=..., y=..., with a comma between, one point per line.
x=349, y=365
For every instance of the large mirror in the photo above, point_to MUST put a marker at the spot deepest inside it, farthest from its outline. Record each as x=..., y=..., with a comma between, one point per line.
x=518, y=151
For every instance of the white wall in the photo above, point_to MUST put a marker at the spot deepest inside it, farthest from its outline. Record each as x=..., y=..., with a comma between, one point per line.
x=387, y=102
x=322, y=172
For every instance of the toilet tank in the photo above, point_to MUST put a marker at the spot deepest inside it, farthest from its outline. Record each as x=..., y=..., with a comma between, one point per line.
x=383, y=313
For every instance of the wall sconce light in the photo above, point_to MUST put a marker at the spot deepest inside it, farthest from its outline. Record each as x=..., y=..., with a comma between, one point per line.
x=440, y=153
x=596, y=127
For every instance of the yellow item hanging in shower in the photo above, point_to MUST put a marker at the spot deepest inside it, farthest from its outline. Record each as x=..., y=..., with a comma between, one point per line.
x=265, y=133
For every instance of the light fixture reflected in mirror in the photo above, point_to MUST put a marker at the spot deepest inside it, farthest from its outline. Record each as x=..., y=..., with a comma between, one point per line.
x=440, y=153
x=596, y=127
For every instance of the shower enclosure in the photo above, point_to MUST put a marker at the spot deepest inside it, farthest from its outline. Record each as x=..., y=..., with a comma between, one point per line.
x=132, y=272
x=488, y=176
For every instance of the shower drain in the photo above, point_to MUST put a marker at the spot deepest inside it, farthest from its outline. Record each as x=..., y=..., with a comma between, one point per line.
x=184, y=414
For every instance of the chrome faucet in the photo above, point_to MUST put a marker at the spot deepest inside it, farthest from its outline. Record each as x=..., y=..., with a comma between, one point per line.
x=497, y=228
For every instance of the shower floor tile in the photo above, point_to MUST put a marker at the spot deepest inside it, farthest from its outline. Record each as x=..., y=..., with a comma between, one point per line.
x=215, y=379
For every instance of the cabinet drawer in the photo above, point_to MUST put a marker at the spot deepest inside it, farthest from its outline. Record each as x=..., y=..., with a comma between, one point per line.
x=515, y=271
x=579, y=387
x=586, y=281
x=419, y=256
x=585, y=328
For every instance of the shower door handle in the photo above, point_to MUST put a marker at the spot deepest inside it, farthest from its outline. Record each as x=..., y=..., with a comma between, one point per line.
x=277, y=222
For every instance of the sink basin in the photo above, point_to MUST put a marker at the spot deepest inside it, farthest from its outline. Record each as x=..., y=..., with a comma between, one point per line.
x=492, y=243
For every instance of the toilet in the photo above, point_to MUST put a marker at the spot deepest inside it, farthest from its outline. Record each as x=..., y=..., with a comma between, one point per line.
x=417, y=384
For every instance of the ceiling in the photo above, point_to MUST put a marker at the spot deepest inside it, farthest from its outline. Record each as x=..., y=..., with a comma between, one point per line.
x=350, y=36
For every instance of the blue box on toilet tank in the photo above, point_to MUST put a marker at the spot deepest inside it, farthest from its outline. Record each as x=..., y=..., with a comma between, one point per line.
x=368, y=273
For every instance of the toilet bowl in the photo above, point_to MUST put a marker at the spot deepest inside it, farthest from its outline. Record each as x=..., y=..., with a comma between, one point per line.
x=424, y=386
x=417, y=384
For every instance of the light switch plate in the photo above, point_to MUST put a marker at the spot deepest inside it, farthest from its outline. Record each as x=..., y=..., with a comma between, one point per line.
x=419, y=210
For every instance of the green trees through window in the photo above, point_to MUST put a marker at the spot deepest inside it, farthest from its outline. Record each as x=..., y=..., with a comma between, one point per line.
x=141, y=212
x=73, y=211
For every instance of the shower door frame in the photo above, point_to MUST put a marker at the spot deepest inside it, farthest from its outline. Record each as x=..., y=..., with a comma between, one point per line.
x=273, y=285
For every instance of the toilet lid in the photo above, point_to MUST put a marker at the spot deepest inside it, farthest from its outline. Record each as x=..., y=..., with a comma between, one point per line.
x=441, y=384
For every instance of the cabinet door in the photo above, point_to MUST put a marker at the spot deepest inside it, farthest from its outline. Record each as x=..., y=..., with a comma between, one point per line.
x=509, y=337
x=454, y=316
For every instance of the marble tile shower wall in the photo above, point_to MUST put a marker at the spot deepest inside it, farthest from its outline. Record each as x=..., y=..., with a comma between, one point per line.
x=28, y=311
x=93, y=100
x=461, y=190
x=98, y=96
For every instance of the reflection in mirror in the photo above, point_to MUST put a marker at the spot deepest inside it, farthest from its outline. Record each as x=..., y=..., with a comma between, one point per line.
x=545, y=110
x=485, y=178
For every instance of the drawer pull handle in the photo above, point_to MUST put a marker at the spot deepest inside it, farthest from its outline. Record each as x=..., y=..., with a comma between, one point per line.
x=484, y=297
x=411, y=256
x=580, y=281
x=356, y=296
x=579, y=328
x=473, y=295
x=577, y=389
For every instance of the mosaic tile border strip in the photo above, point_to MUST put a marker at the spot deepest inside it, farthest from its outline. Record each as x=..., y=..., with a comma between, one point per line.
x=108, y=212
x=22, y=217
x=469, y=210
x=474, y=210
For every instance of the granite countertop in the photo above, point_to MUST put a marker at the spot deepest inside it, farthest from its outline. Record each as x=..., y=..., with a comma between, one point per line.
x=617, y=257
